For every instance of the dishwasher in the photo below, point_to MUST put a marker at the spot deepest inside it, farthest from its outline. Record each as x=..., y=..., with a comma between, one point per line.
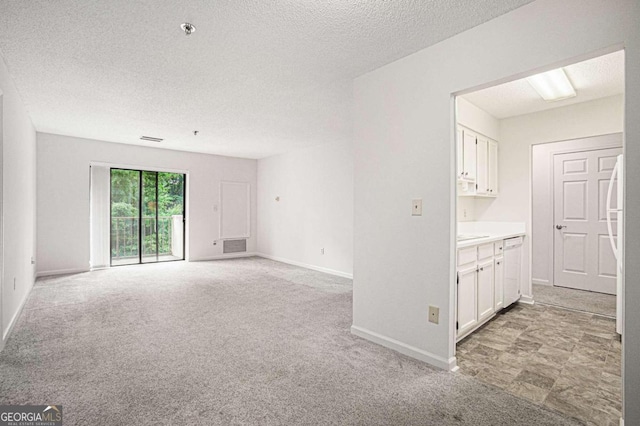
x=512, y=270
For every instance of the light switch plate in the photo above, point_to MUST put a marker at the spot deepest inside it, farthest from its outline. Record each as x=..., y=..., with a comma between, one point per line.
x=416, y=207
x=434, y=314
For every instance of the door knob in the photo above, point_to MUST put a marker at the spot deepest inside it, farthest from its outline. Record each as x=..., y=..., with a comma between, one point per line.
x=559, y=227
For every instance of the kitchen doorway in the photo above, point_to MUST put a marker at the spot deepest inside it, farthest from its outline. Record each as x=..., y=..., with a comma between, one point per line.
x=564, y=358
x=147, y=216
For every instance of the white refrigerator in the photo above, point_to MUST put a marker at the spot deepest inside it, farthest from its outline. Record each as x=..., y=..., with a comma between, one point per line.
x=617, y=239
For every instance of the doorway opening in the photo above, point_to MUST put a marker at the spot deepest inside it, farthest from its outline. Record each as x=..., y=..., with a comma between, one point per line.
x=539, y=228
x=147, y=216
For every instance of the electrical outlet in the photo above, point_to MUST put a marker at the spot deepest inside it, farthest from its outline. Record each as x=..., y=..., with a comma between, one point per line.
x=416, y=207
x=434, y=314
x=322, y=250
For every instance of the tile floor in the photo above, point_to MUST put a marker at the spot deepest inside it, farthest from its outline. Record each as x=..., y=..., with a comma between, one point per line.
x=565, y=360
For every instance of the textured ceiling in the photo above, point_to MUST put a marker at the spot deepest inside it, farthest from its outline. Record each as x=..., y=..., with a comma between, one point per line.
x=593, y=79
x=257, y=78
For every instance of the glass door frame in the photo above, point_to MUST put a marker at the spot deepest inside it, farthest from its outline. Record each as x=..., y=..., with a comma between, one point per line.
x=140, y=215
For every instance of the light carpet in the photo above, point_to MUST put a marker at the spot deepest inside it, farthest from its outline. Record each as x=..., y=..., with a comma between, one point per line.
x=245, y=341
x=577, y=300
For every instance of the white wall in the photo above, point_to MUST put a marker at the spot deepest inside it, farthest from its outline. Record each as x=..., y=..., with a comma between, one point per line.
x=469, y=115
x=63, y=196
x=315, y=211
x=517, y=136
x=403, y=136
x=18, y=202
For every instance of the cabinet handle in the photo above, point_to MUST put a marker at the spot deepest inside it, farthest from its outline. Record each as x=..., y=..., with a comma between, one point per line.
x=497, y=263
x=466, y=173
x=482, y=269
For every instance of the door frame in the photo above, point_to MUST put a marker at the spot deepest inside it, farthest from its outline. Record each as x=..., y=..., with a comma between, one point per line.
x=610, y=140
x=140, y=188
x=553, y=204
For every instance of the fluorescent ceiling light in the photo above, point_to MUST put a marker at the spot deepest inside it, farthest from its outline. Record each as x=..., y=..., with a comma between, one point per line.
x=552, y=85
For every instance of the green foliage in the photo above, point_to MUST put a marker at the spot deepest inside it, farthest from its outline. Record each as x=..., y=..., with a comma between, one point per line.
x=123, y=210
x=125, y=202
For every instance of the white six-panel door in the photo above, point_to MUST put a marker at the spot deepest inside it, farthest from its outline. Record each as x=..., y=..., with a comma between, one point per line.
x=583, y=258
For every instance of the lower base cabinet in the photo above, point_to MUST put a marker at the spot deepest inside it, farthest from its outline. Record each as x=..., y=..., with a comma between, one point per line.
x=467, y=296
x=486, y=300
x=480, y=288
x=499, y=283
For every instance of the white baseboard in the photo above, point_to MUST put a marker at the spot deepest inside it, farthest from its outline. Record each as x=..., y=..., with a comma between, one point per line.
x=223, y=256
x=306, y=265
x=403, y=348
x=541, y=282
x=61, y=272
x=14, y=319
x=528, y=300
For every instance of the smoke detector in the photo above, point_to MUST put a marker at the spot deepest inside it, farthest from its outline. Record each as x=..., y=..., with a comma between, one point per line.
x=188, y=28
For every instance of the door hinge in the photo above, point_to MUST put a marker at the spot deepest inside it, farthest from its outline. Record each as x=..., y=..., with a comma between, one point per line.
x=457, y=278
x=476, y=186
x=456, y=325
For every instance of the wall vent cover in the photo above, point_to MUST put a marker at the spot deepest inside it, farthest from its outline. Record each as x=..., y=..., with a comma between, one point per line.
x=151, y=139
x=234, y=246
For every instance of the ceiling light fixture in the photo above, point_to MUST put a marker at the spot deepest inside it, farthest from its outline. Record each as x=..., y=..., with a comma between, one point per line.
x=150, y=139
x=188, y=28
x=552, y=85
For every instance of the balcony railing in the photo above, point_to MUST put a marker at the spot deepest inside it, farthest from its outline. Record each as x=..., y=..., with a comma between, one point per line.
x=125, y=235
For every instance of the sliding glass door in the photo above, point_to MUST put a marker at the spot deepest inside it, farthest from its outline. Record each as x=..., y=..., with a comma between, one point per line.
x=147, y=216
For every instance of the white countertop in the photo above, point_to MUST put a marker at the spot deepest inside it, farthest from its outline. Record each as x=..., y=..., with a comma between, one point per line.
x=489, y=239
x=495, y=231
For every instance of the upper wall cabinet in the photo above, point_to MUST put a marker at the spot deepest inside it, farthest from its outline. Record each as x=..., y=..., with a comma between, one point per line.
x=477, y=162
x=466, y=154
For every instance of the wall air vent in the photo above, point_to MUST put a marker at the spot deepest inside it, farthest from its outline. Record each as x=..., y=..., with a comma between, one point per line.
x=234, y=246
x=151, y=139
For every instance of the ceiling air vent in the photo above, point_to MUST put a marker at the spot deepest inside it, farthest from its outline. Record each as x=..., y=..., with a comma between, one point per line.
x=151, y=139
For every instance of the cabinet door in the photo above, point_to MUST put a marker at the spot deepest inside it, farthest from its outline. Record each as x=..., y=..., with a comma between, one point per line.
x=459, y=153
x=486, y=298
x=493, y=168
x=498, y=283
x=482, y=166
x=466, y=299
x=469, y=154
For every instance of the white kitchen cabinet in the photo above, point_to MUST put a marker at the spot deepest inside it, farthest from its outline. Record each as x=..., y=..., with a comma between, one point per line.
x=486, y=299
x=492, y=169
x=485, y=251
x=469, y=154
x=477, y=164
x=482, y=166
x=498, y=282
x=467, y=307
x=484, y=271
x=459, y=153
x=467, y=255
